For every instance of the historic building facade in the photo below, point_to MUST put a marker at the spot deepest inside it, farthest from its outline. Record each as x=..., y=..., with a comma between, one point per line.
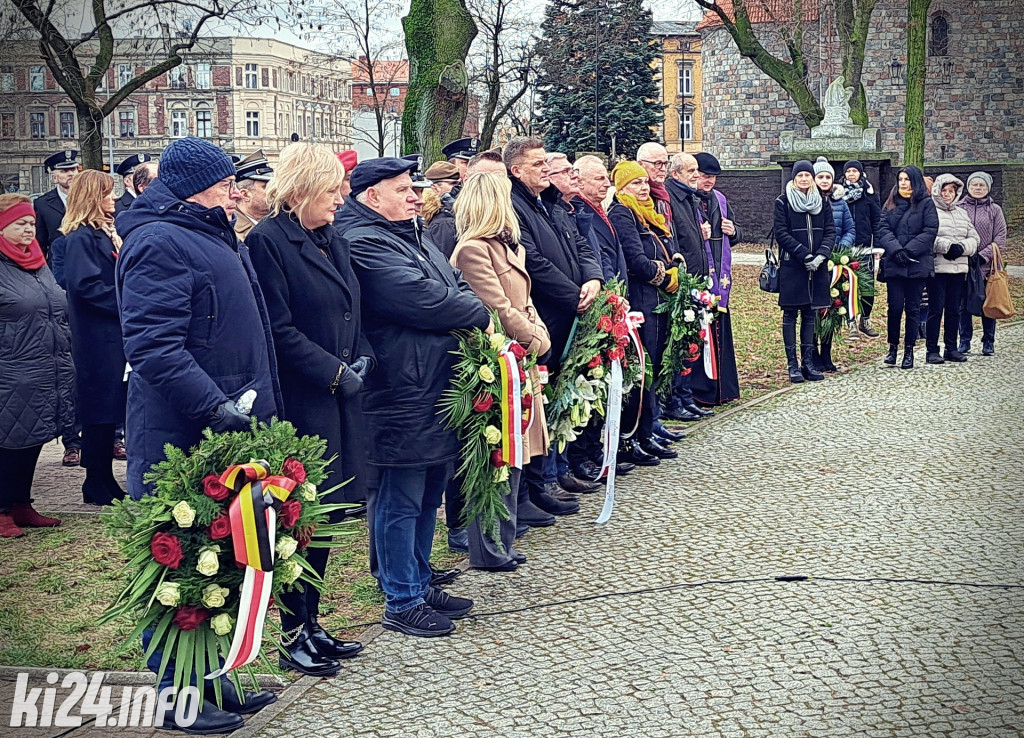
x=241, y=93
x=679, y=72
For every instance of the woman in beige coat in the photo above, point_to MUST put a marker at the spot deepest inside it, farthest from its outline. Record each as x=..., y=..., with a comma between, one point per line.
x=494, y=264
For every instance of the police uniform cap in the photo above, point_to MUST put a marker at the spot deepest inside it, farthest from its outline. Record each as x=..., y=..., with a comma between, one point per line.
x=373, y=171
x=128, y=166
x=463, y=148
x=62, y=160
x=254, y=166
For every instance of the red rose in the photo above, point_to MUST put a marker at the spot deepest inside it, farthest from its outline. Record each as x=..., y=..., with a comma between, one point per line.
x=620, y=313
x=483, y=402
x=220, y=527
x=613, y=299
x=517, y=350
x=293, y=469
x=854, y=265
x=290, y=512
x=685, y=370
x=190, y=618
x=605, y=324
x=694, y=348
x=166, y=550
x=624, y=341
x=527, y=401
x=496, y=461
x=213, y=489
x=616, y=353
x=702, y=333
x=620, y=330
x=595, y=362
x=837, y=302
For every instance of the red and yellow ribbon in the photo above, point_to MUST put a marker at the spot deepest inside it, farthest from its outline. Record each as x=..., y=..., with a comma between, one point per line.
x=511, y=410
x=851, y=299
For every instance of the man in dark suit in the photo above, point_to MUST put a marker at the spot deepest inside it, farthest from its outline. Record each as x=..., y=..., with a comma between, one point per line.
x=62, y=166
x=127, y=171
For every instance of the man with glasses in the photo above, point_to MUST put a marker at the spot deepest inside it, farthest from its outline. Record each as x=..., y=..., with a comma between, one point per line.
x=654, y=159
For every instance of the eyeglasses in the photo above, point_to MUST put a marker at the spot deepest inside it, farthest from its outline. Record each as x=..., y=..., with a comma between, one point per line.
x=655, y=164
x=567, y=170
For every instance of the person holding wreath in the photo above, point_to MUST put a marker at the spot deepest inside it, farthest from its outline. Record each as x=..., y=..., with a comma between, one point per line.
x=303, y=268
x=824, y=178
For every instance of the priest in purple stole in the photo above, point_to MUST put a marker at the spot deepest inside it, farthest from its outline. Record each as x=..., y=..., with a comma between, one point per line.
x=718, y=351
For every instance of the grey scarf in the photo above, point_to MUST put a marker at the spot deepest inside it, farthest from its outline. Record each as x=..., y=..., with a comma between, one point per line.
x=801, y=202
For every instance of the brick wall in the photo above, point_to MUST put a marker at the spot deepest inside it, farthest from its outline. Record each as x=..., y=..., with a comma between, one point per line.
x=224, y=117
x=142, y=116
x=222, y=76
x=161, y=115
x=1013, y=197
x=751, y=193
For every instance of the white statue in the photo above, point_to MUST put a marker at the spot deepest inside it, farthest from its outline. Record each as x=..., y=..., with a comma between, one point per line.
x=837, y=103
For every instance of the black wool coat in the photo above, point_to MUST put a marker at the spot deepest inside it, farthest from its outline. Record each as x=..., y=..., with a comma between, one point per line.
x=911, y=228
x=96, y=343
x=865, y=211
x=606, y=244
x=412, y=299
x=441, y=230
x=49, y=214
x=123, y=202
x=312, y=300
x=800, y=235
x=689, y=239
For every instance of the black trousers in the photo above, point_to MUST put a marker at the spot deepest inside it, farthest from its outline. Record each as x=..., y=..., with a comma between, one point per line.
x=904, y=297
x=18, y=468
x=945, y=295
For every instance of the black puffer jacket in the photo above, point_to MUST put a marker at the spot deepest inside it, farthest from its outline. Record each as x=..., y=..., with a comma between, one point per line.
x=911, y=228
x=37, y=377
x=412, y=299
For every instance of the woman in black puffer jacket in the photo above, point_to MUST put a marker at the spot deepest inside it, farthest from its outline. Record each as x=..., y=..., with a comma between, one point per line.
x=861, y=198
x=906, y=230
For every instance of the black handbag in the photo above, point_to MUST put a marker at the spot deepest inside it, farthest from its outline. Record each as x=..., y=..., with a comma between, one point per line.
x=768, y=279
x=975, y=296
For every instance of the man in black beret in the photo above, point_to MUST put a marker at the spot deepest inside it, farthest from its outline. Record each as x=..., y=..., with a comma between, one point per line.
x=412, y=299
x=127, y=171
x=460, y=151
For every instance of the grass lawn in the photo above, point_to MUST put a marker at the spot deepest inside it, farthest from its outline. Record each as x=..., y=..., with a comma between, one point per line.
x=55, y=583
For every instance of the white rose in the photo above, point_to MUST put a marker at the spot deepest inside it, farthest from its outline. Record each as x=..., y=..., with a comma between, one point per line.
x=209, y=563
x=168, y=594
x=215, y=595
x=844, y=260
x=834, y=292
x=492, y=434
x=842, y=311
x=498, y=341
x=689, y=316
x=286, y=546
x=597, y=372
x=501, y=474
x=183, y=514
x=308, y=491
x=289, y=571
x=831, y=264
x=221, y=624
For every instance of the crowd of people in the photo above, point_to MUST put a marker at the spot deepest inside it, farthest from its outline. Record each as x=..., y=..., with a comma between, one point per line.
x=331, y=288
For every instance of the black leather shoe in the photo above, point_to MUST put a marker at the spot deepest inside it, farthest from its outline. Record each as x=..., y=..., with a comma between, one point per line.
x=664, y=434
x=531, y=515
x=522, y=529
x=933, y=357
x=443, y=576
x=510, y=565
x=656, y=449
x=519, y=558
x=588, y=471
x=252, y=702
x=908, y=358
x=331, y=647
x=301, y=655
x=419, y=621
x=570, y=483
x=954, y=355
x=549, y=504
x=890, y=358
x=210, y=720
x=560, y=493
x=682, y=414
x=631, y=452
x=701, y=411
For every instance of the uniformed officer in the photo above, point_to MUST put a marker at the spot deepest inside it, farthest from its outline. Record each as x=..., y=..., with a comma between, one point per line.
x=459, y=153
x=127, y=171
x=419, y=183
x=62, y=166
x=251, y=176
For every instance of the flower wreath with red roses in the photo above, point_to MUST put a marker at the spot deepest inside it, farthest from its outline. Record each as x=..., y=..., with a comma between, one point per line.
x=178, y=543
x=687, y=309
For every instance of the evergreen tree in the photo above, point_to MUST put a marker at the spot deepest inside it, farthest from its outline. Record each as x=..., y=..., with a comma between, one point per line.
x=597, y=74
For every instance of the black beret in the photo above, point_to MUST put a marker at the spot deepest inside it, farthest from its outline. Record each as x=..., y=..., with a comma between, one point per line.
x=707, y=164
x=127, y=166
x=368, y=173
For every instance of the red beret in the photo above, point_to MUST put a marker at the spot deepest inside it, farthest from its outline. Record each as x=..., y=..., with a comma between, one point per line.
x=348, y=158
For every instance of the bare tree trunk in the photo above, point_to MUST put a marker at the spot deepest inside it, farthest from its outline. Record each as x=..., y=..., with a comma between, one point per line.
x=913, y=136
x=438, y=34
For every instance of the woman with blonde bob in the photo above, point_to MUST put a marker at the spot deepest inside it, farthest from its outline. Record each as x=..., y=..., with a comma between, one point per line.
x=494, y=264
x=91, y=246
x=302, y=265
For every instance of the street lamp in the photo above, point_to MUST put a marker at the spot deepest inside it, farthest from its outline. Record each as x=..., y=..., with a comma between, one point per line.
x=895, y=71
x=947, y=70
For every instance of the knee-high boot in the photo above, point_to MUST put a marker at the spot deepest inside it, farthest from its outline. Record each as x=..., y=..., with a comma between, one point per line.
x=807, y=367
x=100, y=487
x=789, y=343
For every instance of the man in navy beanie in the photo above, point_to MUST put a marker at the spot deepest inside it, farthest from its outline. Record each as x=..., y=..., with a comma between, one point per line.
x=196, y=335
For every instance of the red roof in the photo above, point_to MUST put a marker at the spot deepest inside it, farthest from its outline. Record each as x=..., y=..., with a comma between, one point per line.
x=384, y=70
x=759, y=11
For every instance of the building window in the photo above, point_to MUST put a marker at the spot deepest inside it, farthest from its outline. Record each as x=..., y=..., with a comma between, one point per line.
x=686, y=80
x=252, y=81
x=6, y=125
x=35, y=79
x=37, y=125
x=67, y=125
x=124, y=74
x=940, y=36
x=176, y=78
x=204, y=77
x=126, y=120
x=252, y=124
x=204, y=123
x=686, y=126
x=179, y=123
x=6, y=79
x=395, y=92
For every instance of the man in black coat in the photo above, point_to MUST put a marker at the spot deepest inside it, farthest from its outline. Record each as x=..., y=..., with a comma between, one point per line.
x=412, y=300
x=127, y=171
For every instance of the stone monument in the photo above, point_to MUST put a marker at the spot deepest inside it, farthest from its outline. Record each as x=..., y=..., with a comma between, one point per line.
x=836, y=132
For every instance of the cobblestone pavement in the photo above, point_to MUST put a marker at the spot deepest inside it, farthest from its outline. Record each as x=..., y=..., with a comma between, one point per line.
x=878, y=474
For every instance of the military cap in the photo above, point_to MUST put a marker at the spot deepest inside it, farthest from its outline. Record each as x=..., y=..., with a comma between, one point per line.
x=463, y=148
x=127, y=166
x=254, y=166
x=62, y=160
x=708, y=164
x=418, y=180
x=442, y=171
x=373, y=171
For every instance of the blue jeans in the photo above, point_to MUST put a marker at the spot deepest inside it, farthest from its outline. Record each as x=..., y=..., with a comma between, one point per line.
x=404, y=517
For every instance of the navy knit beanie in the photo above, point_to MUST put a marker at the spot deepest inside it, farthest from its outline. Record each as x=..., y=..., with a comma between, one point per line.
x=801, y=166
x=190, y=165
x=854, y=164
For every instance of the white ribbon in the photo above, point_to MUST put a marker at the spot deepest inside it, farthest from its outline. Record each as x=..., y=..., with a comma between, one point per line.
x=611, y=440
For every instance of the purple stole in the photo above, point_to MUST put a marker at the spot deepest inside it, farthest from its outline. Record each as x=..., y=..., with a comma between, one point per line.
x=721, y=284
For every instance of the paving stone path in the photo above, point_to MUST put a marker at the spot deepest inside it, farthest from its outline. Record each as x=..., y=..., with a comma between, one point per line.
x=879, y=474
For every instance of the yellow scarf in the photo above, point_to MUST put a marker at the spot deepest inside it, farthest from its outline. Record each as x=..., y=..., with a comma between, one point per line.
x=645, y=211
x=906, y=192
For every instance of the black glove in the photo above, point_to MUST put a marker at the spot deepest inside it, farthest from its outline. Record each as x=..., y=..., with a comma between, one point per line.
x=349, y=382
x=362, y=366
x=226, y=418
x=902, y=258
x=954, y=252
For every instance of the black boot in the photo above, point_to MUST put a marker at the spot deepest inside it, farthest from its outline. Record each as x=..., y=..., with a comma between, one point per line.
x=301, y=655
x=811, y=374
x=252, y=701
x=789, y=342
x=99, y=487
x=210, y=720
x=908, y=357
x=630, y=451
x=890, y=358
x=329, y=646
x=825, y=356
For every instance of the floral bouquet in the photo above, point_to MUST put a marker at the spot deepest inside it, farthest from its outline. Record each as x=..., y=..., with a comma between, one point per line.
x=690, y=311
x=489, y=405
x=220, y=535
x=602, y=336
x=851, y=279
